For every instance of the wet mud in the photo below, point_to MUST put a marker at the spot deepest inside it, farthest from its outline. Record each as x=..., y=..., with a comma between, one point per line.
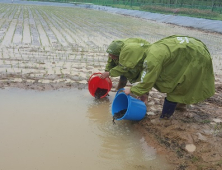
x=119, y=115
x=100, y=92
x=192, y=137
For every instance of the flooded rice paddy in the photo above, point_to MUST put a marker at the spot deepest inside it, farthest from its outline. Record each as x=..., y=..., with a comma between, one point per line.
x=52, y=48
x=68, y=129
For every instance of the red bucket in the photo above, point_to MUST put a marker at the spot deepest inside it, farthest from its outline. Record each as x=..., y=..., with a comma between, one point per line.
x=95, y=83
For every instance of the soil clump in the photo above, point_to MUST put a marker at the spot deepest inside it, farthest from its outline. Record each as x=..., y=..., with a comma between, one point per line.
x=119, y=115
x=100, y=92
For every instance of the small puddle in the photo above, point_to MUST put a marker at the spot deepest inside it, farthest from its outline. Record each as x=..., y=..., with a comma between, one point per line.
x=68, y=129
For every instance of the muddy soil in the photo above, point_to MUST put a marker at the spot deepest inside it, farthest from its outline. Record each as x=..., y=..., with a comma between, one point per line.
x=48, y=48
x=192, y=137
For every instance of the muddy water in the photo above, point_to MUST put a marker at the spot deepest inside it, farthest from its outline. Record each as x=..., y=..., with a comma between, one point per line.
x=68, y=129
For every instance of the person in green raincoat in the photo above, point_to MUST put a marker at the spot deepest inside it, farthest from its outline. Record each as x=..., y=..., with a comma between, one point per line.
x=114, y=50
x=180, y=66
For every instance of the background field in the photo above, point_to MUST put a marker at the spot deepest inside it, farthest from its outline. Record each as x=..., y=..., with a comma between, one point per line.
x=211, y=9
x=44, y=44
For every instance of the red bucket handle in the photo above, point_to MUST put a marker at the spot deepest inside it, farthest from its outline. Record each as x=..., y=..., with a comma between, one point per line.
x=93, y=75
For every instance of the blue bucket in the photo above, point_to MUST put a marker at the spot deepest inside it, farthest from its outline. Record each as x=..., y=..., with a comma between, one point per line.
x=135, y=108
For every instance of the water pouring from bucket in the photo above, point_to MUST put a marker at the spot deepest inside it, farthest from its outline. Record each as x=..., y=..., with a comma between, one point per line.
x=127, y=107
x=99, y=88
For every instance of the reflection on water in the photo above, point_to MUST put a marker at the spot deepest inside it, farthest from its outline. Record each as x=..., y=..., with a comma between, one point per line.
x=68, y=129
x=121, y=143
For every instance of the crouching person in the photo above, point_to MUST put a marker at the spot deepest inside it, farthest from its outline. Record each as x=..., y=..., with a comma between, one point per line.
x=180, y=66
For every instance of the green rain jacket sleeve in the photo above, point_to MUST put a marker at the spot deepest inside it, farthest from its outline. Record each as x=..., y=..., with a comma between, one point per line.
x=118, y=71
x=149, y=75
x=152, y=67
x=110, y=64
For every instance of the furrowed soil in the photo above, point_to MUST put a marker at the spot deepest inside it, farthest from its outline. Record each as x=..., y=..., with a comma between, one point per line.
x=48, y=48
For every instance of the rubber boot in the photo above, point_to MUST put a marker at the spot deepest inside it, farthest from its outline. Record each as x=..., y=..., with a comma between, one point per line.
x=122, y=82
x=168, y=109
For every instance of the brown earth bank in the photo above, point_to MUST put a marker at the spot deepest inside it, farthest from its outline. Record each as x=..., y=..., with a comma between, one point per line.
x=190, y=140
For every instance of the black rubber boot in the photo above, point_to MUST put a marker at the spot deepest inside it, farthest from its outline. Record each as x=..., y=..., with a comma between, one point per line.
x=122, y=82
x=168, y=109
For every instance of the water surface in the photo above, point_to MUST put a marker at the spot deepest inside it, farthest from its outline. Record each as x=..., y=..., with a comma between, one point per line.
x=68, y=129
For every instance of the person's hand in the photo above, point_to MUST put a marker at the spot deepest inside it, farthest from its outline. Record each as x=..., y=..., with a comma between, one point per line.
x=127, y=90
x=144, y=98
x=104, y=75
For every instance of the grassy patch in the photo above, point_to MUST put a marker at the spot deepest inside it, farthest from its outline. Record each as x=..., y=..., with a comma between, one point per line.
x=184, y=11
x=218, y=127
x=219, y=163
x=206, y=121
x=194, y=159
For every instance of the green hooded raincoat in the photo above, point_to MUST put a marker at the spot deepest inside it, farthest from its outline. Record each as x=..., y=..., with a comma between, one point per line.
x=180, y=66
x=132, y=47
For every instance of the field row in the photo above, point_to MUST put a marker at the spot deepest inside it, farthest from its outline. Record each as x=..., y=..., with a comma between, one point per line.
x=42, y=43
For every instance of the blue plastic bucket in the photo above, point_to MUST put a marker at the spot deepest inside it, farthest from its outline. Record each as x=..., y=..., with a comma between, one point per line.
x=135, y=108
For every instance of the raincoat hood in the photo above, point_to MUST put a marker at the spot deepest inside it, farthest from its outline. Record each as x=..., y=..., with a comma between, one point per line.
x=115, y=47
